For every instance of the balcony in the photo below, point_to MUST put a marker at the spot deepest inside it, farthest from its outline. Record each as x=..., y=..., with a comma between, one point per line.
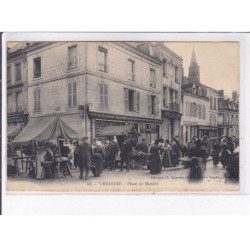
x=174, y=107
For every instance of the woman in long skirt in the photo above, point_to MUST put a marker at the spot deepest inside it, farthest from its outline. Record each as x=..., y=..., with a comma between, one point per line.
x=175, y=154
x=166, y=161
x=216, y=154
x=155, y=161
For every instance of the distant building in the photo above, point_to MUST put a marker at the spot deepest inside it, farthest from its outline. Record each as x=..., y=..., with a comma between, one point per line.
x=228, y=117
x=171, y=81
x=200, y=105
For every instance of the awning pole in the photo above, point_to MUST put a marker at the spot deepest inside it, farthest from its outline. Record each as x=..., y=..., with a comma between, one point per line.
x=22, y=155
x=34, y=144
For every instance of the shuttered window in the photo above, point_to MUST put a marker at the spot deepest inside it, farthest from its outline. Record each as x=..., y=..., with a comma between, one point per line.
x=131, y=70
x=103, y=95
x=19, y=101
x=37, y=100
x=152, y=78
x=72, y=94
x=204, y=112
x=18, y=72
x=153, y=105
x=138, y=101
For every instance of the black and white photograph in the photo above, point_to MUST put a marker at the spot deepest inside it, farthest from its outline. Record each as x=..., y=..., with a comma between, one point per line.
x=122, y=116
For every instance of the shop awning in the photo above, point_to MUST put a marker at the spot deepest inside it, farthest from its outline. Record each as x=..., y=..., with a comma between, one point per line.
x=13, y=131
x=45, y=129
x=207, y=127
x=115, y=130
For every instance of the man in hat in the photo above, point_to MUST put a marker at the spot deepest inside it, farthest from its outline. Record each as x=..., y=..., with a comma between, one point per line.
x=126, y=150
x=85, y=155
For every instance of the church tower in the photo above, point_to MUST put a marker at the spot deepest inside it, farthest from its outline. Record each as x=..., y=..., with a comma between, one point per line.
x=194, y=70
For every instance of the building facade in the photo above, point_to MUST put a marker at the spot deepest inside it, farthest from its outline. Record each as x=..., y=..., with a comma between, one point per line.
x=17, y=104
x=171, y=81
x=228, y=116
x=95, y=84
x=213, y=112
x=92, y=85
x=195, y=115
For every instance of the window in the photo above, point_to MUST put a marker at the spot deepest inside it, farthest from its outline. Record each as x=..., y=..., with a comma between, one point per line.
x=165, y=96
x=37, y=67
x=132, y=100
x=102, y=54
x=215, y=103
x=194, y=89
x=204, y=112
x=186, y=109
x=199, y=91
x=165, y=73
x=37, y=100
x=18, y=72
x=176, y=74
x=152, y=78
x=211, y=102
x=131, y=70
x=210, y=119
x=72, y=94
x=199, y=111
x=153, y=105
x=9, y=74
x=72, y=57
x=104, y=96
x=193, y=110
x=18, y=101
x=9, y=102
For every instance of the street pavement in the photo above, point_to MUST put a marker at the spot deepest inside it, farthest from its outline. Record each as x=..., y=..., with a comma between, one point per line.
x=170, y=179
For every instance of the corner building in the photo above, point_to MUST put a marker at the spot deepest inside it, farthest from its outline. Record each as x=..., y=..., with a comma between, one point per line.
x=95, y=84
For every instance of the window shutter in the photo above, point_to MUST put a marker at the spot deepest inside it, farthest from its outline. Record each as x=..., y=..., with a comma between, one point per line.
x=35, y=100
x=106, y=95
x=149, y=105
x=157, y=106
x=74, y=93
x=138, y=101
x=126, y=99
x=69, y=94
x=39, y=99
x=101, y=95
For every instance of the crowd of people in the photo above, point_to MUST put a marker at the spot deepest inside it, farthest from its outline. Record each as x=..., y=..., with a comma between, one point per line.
x=98, y=155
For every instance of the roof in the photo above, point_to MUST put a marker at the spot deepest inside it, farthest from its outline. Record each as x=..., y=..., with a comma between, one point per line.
x=115, y=130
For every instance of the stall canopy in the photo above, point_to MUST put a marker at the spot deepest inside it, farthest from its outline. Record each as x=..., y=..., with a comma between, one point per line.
x=115, y=130
x=13, y=131
x=45, y=129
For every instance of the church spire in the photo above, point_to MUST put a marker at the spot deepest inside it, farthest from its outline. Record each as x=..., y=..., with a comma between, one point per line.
x=193, y=59
x=194, y=70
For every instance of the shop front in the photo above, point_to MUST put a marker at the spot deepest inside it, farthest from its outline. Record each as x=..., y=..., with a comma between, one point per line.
x=171, y=124
x=148, y=128
x=209, y=131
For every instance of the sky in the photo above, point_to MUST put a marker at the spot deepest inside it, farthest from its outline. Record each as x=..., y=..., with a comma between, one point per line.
x=218, y=61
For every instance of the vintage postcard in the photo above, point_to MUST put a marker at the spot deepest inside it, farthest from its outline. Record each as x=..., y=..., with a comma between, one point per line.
x=141, y=115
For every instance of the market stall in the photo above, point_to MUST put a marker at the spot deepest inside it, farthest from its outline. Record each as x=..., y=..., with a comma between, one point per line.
x=42, y=130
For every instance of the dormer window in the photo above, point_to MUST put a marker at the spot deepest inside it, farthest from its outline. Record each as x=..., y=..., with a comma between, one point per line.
x=194, y=89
